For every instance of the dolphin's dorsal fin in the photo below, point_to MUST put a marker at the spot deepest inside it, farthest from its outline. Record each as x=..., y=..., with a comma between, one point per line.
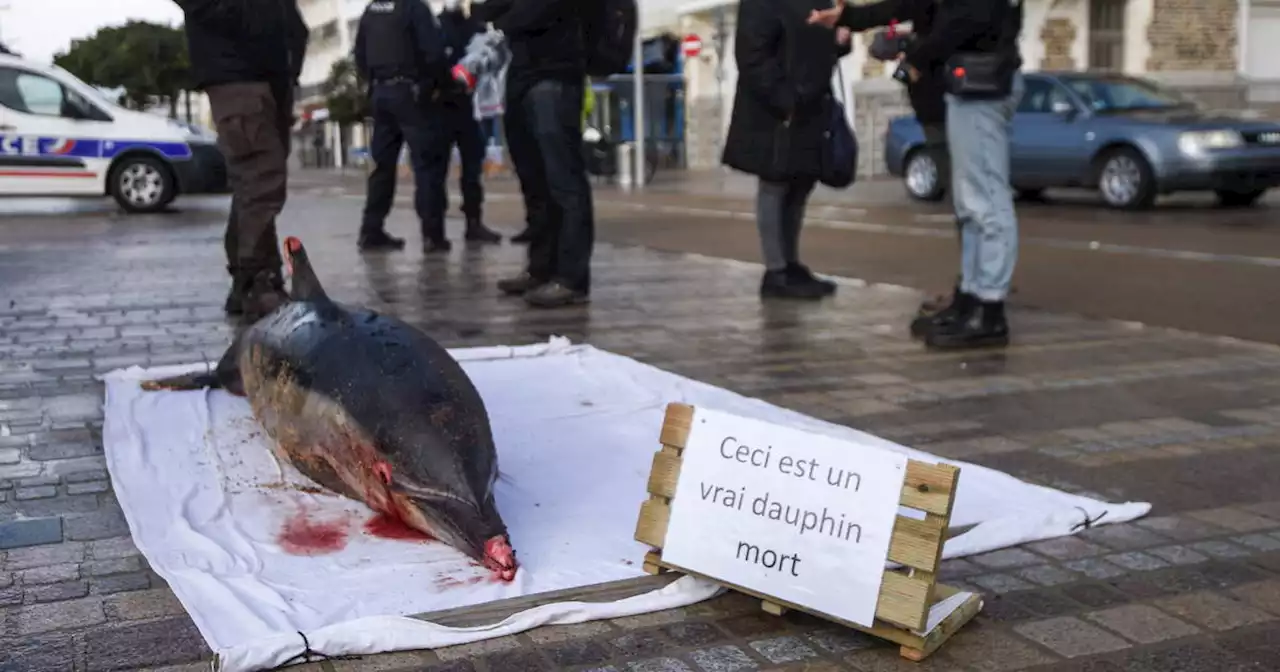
x=304, y=285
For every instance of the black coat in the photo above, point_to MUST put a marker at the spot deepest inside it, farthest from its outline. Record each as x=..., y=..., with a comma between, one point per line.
x=244, y=41
x=783, y=98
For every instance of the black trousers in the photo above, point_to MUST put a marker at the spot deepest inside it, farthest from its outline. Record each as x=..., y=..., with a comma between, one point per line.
x=400, y=117
x=459, y=128
x=544, y=136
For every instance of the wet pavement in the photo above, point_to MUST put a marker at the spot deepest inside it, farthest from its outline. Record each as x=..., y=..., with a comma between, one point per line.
x=1111, y=409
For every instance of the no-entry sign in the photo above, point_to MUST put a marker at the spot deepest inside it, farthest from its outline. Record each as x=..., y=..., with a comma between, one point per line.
x=692, y=46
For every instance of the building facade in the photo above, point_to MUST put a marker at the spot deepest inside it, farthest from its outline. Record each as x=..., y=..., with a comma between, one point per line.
x=1223, y=52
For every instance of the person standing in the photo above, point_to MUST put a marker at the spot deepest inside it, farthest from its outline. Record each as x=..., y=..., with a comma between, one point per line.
x=461, y=128
x=778, y=127
x=400, y=51
x=247, y=58
x=544, y=134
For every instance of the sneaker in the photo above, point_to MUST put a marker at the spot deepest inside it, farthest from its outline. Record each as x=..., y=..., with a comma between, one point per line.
x=785, y=285
x=553, y=294
x=379, y=240
x=984, y=326
x=519, y=285
x=477, y=232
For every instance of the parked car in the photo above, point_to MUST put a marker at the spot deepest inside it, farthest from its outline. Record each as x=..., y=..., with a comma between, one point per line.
x=1130, y=138
x=61, y=137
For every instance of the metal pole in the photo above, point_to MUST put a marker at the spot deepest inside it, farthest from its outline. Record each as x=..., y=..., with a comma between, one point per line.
x=637, y=114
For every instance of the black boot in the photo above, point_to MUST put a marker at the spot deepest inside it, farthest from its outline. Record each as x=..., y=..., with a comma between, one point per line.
x=373, y=241
x=784, y=284
x=479, y=233
x=523, y=237
x=959, y=307
x=983, y=326
x=236, y=295
x=519, y=285
x=260, y=292
x=437, y=246
x=802, y=273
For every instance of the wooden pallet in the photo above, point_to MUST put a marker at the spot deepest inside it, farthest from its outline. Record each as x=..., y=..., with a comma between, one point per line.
x=906, y=594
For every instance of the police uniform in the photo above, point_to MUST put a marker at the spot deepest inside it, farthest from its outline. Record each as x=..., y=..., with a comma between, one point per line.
x=460, y=127
x=400, y=51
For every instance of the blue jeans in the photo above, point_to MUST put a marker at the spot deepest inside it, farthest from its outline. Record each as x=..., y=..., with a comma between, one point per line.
x=544, y=136
x=978, y=137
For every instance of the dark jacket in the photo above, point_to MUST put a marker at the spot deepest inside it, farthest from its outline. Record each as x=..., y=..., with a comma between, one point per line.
x=403, y=42
x=545, y=38
x=981, y=26
x=244, y=41
x=780, y=108
x=926, y=93
x=457, y=29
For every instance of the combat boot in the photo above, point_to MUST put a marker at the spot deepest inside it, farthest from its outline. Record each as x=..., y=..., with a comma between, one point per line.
x=477, y=232
x=961, y=304
x=373, y=241
x=983, y=326
x=262, y=292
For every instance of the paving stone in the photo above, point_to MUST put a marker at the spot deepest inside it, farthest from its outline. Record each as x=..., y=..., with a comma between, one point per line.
x=1262, y=542
x=99, y=525
x=35, y=532
x=1180, y=528
x=1178, y=555
x=577, y=652
x=121, y=583
x=1212, y=611
x=722, y=659
x=1136, y=561
x=753, y=625
x=840, y=641
x=999, y=583
x=640, y=643
x=783, y=649
x=476, y=649
x=1183, y=657
x=887, y=659
x=1123, y=537
x=56, y=592
x=1225, y=574
x=692, y=634
x=652, y=619
x=166, y=642
x=113, y=566
x=467, y=666
x=1237, y=520
x=1095, y=595
x=1044, y=602
x=1006, y=558
x=108, y=549
x=990, y=650
x=10, y=455
x=47, y=653
x=11, y=596
x=659, y=665
x=41, y=618
x=1070, y=637
x=1094, y=568
x=1142, y=624
x=1047, y=575
x=387, y=662
x=553, y=634
x=88, y=488
x=145, y=604
x=1263, y=595
x=50, y=574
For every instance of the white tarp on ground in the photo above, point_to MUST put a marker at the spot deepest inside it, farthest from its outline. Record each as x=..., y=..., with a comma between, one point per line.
x=257, y=554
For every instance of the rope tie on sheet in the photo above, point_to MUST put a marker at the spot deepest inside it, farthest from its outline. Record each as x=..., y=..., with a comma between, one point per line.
x=308, y=653
x=1088, y=522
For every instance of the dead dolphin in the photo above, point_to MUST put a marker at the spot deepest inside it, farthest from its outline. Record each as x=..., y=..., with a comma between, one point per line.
x=371, y=408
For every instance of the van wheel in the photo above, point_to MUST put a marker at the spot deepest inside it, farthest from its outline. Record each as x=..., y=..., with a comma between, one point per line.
x=142, y=184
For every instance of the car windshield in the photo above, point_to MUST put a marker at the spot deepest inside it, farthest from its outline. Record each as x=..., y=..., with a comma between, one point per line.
x=1120, y=94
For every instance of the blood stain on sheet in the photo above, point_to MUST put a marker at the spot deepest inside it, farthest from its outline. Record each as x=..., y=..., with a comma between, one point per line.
x=303, y=536
x=387, y=526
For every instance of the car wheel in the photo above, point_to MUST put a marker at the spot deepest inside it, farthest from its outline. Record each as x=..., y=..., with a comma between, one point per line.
x=1034, y=195
x=1230, y=198
x=1125, y=179
x=142, y=184
x=921, y=176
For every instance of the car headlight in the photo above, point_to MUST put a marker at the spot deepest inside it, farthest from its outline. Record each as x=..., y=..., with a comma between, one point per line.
x=1198, y=142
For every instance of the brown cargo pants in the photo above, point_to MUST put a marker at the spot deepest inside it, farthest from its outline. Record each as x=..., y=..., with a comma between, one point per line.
x=253, y=121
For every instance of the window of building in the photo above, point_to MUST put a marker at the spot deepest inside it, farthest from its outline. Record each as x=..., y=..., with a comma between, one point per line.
x=1106, y=35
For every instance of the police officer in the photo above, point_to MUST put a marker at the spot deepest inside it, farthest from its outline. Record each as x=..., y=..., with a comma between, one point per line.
x=400, y=51
x=459, y=125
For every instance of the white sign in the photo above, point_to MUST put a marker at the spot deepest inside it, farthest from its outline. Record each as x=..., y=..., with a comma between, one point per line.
x=789, y=514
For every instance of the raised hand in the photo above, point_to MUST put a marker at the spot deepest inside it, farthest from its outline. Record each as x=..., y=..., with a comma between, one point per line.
x=827, y=17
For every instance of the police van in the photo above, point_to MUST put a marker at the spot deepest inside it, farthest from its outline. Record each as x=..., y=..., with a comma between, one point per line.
x=61, y=137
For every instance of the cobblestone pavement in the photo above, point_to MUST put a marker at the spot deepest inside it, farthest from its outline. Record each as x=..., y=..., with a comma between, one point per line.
x=1189, y=423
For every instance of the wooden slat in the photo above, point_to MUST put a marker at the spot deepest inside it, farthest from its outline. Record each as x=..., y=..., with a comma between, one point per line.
x=676, y=425
x=929, y=487
x=651, y=528
x=904, y=600
x=916, y=543
x=665, y=472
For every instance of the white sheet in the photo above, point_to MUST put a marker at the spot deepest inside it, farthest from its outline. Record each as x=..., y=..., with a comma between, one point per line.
x=576, y=428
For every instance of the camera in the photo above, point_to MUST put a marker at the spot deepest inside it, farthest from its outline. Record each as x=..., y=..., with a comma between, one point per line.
x=889, y=43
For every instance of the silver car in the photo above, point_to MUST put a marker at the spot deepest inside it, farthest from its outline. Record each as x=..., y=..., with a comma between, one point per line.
x=1127, y=137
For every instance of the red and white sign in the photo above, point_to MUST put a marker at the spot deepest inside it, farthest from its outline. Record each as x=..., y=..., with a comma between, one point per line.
x=692, y=46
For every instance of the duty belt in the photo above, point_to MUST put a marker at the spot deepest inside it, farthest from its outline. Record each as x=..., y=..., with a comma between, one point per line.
x=398, y=79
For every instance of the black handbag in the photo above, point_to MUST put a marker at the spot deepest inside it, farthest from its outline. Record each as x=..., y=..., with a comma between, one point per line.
x=839, y=167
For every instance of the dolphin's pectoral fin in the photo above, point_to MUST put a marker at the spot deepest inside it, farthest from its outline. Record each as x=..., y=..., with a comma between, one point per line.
x=188, y=381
